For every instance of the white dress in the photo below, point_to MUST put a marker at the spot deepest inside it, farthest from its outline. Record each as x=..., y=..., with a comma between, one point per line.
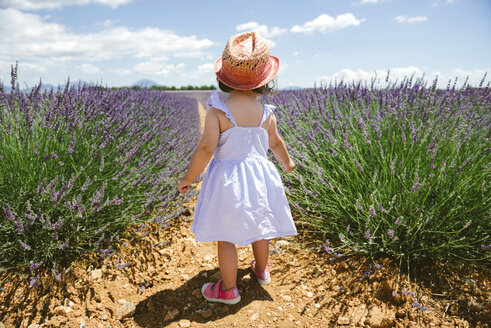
x=242, y=198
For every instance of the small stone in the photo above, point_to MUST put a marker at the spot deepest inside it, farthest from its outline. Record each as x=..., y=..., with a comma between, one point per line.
x=280, y=308
x=287, y=298
x=208, y=258
x=105, y=317
x=126, y=310
x=185, y=277
x=163, y=251
x=171, y=315
x=317, y=305
x=247, y=278
x=317, y=271
x=82, y=324
x=254, y=316
x=281, y=243
x=216, y=276
x=68, y=302
x=310, y=294
x=33, y=325
x=375, y=316
x=184, y=323
x=96, y=274
x=122, y=301
x=196, y=292
x=343, y=321
x=62, y=310
x=206, y=313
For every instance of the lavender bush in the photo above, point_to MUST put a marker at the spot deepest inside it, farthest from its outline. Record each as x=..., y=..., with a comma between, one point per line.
x=78, y=165
x=402, y=170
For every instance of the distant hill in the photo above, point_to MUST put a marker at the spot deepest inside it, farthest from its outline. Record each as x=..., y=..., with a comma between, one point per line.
x=145, y=83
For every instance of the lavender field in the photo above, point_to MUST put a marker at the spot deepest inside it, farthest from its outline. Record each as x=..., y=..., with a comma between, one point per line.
x=81, y=165
x=401, y=171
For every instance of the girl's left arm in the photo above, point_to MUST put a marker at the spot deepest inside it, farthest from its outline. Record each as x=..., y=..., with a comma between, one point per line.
x=204, y=150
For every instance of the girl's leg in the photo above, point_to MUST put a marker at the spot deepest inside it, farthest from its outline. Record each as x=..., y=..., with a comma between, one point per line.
x=260, y=249
x=227, y=260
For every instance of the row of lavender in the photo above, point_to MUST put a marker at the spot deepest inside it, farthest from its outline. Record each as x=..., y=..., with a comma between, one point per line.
x=402, y=171
x=79, y=165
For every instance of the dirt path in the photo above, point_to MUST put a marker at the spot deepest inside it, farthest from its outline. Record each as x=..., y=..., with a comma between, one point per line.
x=156, y=281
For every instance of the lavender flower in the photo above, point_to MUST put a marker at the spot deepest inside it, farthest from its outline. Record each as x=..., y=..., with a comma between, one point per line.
x=34, y=281
x=420, y=307
x=358, y=165
x=8, y=213
x=35, y=266
x=24, y=246
x=56, y=274
x=416, y=187
x=390, y=233
x=372, y=212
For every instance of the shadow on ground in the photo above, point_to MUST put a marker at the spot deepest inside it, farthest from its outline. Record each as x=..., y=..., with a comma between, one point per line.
x=152, y=312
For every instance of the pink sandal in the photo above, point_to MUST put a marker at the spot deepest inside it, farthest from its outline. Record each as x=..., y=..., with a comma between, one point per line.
x=213, y=292
x=263, y=277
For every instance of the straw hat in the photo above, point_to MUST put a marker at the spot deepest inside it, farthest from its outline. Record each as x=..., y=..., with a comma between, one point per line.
x=246, y=63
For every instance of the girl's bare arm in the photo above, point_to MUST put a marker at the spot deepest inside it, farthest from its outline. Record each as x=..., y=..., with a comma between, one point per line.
x=204, y=150
x=278, y=147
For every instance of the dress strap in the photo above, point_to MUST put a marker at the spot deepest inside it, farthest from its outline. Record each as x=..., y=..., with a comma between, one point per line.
x=214, y=101
x=268, y=110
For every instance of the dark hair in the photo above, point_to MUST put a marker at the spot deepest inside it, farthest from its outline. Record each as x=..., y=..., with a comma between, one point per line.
x=265, y=89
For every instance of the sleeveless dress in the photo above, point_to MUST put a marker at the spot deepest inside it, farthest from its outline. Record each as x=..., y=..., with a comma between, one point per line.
x=242, y=198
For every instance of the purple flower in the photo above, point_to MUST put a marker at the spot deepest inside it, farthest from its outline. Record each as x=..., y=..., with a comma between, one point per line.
x=419, y=306
x=19, y=227
x=398, y=221
x=390, y=233
x=394, y=293
x=34, y=281
x=486, y=247
x=371, y=211
x=35, y=266
x=24, y=246
x=56, y=274
x=393, y=165
x=54, y=156
x=358, y=205
x=367, y=234
x=416, y=186
x=358, y=165
x=8, y=213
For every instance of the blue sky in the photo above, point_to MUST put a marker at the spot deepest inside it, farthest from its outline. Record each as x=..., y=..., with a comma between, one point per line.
x=118, y=42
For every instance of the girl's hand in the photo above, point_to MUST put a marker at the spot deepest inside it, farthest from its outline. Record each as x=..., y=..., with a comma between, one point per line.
x=183, y=185
x=288, y=167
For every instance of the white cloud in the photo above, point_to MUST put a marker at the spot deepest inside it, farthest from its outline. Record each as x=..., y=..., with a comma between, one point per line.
x=89, y=69
x=325, y=23
x=363, y=2
x=156, y=68
x=266, y=32
x=399, y=73
x=297, y=53
x=410, y=20
x=263, y=30
x=51, y=4
x=356, y=75
x=29, y=36
x=206, y=68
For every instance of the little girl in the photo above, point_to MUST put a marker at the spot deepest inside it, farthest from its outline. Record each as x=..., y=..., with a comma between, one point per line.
x=242, y=200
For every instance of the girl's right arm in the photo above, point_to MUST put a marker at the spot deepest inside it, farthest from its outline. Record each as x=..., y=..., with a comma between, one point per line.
x=204, y=150
x=278, y=147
